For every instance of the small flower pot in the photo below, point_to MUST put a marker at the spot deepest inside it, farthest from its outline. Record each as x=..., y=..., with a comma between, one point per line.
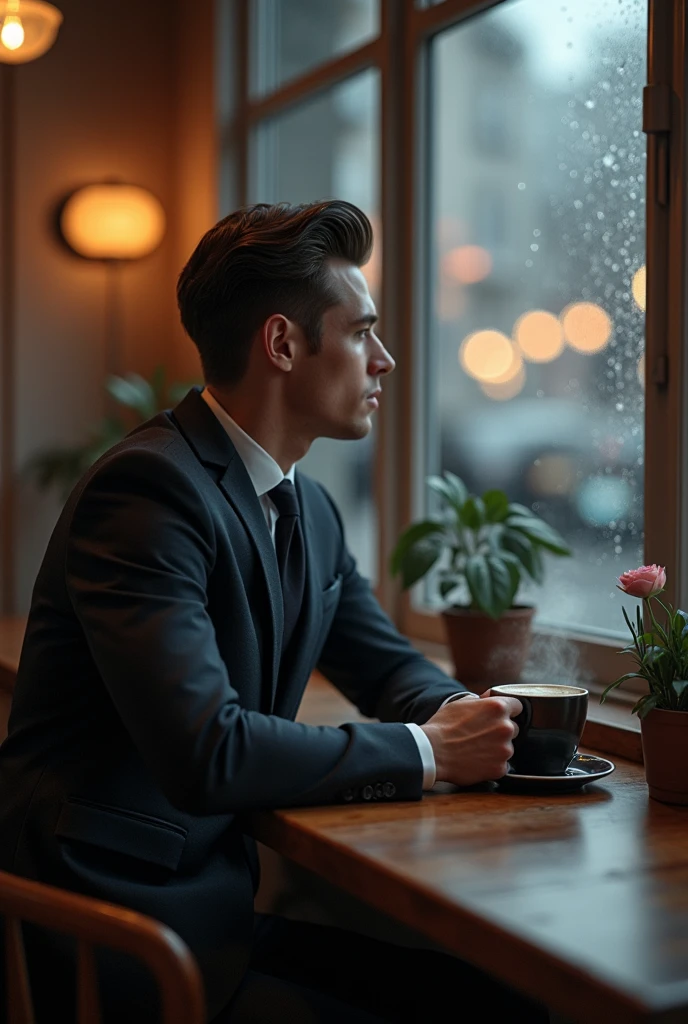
x=665, y=743
x=488, y=651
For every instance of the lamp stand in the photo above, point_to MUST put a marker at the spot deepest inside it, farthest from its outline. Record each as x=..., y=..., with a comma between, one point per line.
x=112, y=354
x=8, y=317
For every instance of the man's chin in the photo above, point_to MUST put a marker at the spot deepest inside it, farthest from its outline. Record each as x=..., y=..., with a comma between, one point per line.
x=355, y=430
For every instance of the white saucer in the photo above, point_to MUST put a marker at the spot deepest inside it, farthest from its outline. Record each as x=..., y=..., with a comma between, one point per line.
x=584, y=768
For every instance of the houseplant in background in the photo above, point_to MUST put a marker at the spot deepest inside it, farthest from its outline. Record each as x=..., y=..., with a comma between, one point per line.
x=139, y=399
x=485, y=545
x=661, y=655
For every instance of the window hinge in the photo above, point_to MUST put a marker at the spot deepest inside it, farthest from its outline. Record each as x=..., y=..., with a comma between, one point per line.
x=657, y=121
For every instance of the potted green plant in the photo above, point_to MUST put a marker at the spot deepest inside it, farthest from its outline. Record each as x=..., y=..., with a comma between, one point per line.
x=661, y=655
x=484, y=545
x=139, y=399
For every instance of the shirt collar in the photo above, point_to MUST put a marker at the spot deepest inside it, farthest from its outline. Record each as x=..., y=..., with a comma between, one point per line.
x=260, y=466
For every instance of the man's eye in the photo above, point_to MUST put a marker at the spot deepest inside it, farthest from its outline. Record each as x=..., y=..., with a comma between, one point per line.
x=364, y=333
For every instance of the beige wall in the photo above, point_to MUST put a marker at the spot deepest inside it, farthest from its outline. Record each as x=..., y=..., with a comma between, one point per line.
x=196, y=147
x=126, y=92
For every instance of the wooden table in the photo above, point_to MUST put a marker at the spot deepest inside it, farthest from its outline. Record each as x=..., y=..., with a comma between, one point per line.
x=580, y=900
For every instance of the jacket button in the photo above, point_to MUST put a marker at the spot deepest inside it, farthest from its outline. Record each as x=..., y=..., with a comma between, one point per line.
x=367, y=792
x=379, y=791
x=389, y=789
x=348, y=795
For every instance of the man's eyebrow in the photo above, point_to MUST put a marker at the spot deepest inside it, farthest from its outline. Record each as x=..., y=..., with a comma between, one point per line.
x=369, y=320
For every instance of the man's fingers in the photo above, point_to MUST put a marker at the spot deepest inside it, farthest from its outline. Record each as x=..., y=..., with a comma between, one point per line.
x=511, y=705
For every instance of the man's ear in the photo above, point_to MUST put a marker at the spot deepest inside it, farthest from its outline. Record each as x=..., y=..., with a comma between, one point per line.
x=280, y=341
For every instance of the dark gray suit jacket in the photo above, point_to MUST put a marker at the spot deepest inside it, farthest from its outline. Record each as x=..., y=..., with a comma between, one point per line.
x=151, y=708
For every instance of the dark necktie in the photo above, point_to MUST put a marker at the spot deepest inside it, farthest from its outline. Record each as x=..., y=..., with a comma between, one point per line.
x=291, y=553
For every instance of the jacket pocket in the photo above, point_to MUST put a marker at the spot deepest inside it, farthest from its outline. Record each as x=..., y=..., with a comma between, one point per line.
x=330, y=595
x=121, y=831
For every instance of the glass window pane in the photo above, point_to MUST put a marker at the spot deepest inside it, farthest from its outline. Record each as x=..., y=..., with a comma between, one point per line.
x=289, y=37
x=538, y=233
x=329, y=148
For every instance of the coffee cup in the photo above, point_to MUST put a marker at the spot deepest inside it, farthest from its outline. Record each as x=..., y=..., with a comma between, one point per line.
x=549, y=727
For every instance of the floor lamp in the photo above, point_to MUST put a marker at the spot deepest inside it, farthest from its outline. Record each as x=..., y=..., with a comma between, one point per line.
x=27, y=30
x=112, y=223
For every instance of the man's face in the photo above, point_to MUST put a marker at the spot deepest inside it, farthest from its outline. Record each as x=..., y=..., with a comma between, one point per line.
x=330, y=392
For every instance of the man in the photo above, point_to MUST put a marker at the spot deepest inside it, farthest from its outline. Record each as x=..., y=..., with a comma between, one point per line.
x=193, y=582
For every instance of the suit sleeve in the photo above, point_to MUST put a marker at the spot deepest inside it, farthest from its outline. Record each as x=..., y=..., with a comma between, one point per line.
x=370, y=661
x=140, y=550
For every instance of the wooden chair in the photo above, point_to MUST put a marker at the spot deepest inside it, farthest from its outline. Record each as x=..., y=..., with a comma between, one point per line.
x=93, y=922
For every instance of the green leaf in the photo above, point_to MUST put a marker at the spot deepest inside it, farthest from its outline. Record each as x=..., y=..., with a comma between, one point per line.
x=458, y=487
x=419, y=559
x=680, y=687
x=411, y=536
x=479, y=582
x=527, y=554
x=473, y=513
x=157, y=383
x=492, y=583
x=538, y=566
x=496, y=506
x=645, y=705
x=540, y=533
x=446, y=491
x=519, y=510
x=654, y=655
x=134, y=392
x=513, y=567
x=628, y=622
x=617, y=682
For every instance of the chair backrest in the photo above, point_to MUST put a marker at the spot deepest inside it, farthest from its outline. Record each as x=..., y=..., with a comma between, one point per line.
x=94, y=922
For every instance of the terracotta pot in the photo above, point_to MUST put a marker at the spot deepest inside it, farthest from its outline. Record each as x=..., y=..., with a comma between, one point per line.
x=665, y=748
x=488, y=651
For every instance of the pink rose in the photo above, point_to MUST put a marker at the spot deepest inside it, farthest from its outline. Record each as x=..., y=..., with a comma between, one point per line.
x=643, y=582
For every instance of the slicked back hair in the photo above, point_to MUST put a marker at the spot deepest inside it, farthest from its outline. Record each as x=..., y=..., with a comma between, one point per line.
x=262, y=260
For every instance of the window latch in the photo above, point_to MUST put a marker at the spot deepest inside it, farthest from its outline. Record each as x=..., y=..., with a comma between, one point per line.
x=657, y=121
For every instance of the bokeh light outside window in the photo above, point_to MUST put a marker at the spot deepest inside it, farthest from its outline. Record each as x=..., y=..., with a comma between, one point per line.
x=328, y=147
x=537, y=282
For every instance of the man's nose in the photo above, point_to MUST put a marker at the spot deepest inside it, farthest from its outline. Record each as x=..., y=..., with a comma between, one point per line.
x=382, y=362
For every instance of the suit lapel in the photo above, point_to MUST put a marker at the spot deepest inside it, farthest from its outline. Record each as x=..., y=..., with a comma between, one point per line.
x=213, y=447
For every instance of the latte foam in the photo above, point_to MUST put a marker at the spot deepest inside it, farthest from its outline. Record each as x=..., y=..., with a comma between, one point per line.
x=538, y=690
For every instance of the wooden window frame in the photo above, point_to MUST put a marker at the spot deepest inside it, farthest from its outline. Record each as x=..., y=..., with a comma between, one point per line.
x=400, y=54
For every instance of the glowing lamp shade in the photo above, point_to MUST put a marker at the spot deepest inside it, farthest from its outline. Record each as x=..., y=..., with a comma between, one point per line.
x=27, y=29
x=112, y=222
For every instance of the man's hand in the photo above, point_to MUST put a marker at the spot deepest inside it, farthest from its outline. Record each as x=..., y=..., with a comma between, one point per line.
x=472, y=738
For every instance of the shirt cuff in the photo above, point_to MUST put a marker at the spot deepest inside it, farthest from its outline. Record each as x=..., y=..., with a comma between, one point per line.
x=426, y=754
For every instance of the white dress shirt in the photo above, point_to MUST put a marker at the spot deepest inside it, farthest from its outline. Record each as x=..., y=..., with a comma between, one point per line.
x=266, y=474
